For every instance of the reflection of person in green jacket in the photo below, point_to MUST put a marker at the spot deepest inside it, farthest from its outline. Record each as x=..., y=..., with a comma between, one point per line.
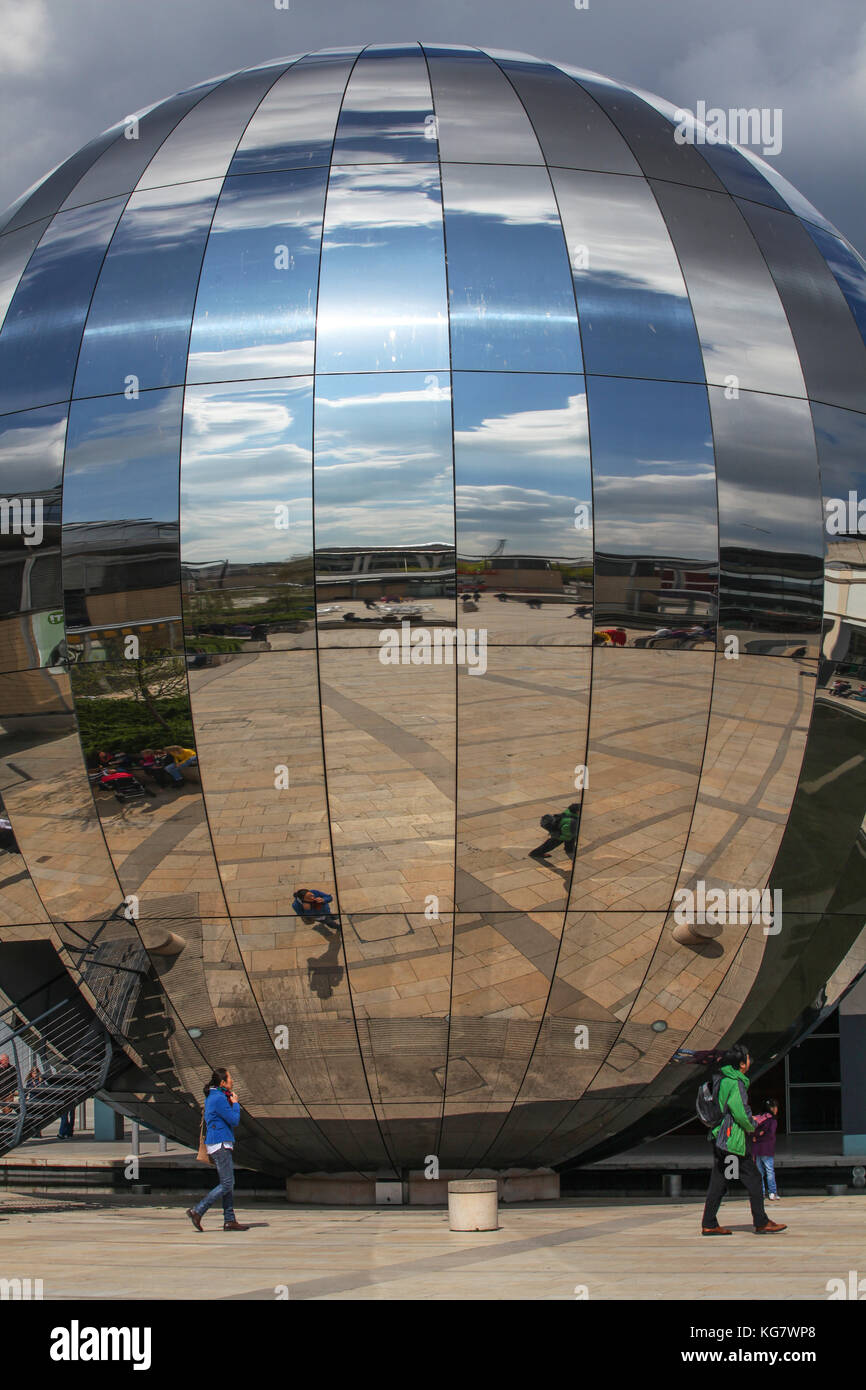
x=729, y=1148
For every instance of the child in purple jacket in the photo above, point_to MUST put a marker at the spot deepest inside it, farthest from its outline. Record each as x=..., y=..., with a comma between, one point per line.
x=764, y=1148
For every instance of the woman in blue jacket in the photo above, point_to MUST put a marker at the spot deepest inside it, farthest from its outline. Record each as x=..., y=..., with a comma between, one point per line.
x=222, y=1115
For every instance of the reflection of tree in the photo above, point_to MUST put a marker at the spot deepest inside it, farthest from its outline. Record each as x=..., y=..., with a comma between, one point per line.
x=132, y=703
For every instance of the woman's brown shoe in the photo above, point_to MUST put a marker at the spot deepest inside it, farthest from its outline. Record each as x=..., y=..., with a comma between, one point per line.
x=715, y=1231
x=194, y=1218
x=770, y=1229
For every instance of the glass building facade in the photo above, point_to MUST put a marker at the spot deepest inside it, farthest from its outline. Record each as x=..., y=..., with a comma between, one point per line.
x=428, y=442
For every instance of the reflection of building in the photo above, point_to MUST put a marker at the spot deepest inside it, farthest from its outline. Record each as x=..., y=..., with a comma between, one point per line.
x=845, y=606
x=422, y=570
x=560, y=429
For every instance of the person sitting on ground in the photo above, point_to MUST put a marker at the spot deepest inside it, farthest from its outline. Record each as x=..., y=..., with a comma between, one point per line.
x=311, y=905
x=561, y=830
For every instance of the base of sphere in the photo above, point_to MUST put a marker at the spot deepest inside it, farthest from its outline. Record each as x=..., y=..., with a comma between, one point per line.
x=414, y=1189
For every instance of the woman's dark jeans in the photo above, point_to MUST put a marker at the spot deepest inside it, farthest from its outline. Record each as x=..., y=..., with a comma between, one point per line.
x=224, y=1188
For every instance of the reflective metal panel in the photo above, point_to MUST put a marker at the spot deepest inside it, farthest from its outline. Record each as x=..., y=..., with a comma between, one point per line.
x=841, y=440
x=246, y=516
x=297, y=970
x=41, y=333
x=647, y=731
x=571, y=128
x=745, y=337
x=770, y=538
x=848, y=268
x=389, y=758
x=503, y=966
x=387, y=112
x=832, y=352
x=48, y=800
x=45, y=197
x=153, y=820
x=384, y=509
x=479, y=117
x=266, y=799
x=509, y=282
x=635, y=317
x=399, y=971
x=656, y=542
x=19, y=901
x=524, y=507
x=203, y=144
x=255, y=311
x=120, y=527
x=293, y=127
x=120, y=167
x=382, y=296
x=31, y=598
x=650, y=135
x=16, y=249
x=137, y=330
x=598, y=967
x=522, y=724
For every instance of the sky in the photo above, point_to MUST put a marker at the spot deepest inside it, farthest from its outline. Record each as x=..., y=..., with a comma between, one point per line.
x=71, y=68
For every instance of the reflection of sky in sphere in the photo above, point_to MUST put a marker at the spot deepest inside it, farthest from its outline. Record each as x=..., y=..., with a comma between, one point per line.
x=383, y=460
x=521, y=463
x=246, y=451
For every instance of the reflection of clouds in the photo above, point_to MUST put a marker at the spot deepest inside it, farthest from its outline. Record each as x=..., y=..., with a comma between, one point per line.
x=666, y=513
x=559, y=432
x=33, y=448
x=157, y=220
x=380, y=198
x=534, y=522
x=274, y=358
x=242, y=529
x=245, y=453
x=514, y=196
x=383, y=461
x=617, y=219
x=294, y=211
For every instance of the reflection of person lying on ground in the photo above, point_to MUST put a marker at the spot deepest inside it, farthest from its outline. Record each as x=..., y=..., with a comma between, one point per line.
x=582, y=610
x=311, y=905
x=561, y=830
x=356, y=618
x=7, y=835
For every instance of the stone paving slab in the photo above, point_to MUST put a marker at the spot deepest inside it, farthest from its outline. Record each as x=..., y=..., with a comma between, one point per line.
x=625, y=1250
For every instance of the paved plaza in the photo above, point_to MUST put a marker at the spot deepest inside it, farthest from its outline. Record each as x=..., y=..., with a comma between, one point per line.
x=547, y=1251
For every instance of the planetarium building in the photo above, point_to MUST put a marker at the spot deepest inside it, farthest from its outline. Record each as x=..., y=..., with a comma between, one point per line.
x=399, y=447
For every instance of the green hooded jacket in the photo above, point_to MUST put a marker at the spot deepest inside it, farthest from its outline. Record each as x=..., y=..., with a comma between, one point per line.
x=737, y=1118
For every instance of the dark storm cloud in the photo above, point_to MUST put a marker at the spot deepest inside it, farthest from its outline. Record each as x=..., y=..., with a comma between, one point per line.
x=70, y=71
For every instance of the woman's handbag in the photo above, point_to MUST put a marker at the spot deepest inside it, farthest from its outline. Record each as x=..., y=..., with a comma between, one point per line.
x=203, y=1156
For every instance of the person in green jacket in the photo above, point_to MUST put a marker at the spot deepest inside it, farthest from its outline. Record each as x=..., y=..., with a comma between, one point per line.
x=729, y=1140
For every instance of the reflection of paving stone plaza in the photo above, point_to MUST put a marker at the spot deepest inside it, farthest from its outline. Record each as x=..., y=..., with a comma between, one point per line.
x=539, y=442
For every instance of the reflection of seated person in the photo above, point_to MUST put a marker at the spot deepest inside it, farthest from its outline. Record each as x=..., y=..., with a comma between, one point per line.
x=311, y=905
x=153, y=764
x=181, y=758
x=8, y=1083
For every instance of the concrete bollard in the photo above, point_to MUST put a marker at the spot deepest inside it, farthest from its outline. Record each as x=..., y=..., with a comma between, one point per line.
x=473, y=1205
x=672, y=1184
